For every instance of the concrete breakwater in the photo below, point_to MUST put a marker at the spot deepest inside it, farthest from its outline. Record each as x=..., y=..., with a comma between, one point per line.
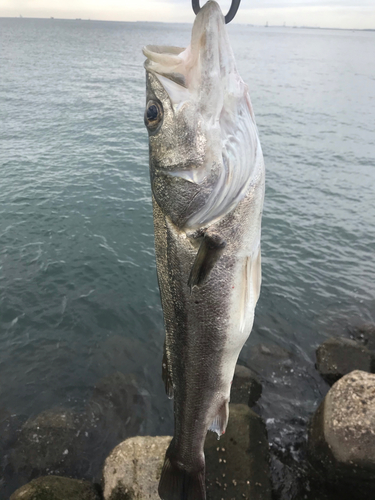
x=236, y=466
x=56, y=442
x=330, y=456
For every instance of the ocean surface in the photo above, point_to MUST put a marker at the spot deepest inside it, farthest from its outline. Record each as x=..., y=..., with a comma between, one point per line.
x=78, y=292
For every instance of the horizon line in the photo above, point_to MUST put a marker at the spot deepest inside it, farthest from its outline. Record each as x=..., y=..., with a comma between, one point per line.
x=52, y=18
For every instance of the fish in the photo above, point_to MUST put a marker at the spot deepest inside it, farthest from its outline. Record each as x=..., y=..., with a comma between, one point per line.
x=207, y=179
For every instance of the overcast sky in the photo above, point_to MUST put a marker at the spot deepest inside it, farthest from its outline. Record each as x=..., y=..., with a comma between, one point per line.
x=325, y=13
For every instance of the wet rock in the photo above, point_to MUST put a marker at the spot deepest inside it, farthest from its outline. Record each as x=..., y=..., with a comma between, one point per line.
x=61, y=442
x=265, y=359
x=338, y=357
x=342, y=436
x=290, y=387
x=144, y=360
x=237, y=465
x=365, y=334
x=56, y=488
x=270, y=351
x=132, y=470
x=10, y=427
x=117, y=407
x=318, y=494
x=117, y=410
x=46, y=444
x=246, y=388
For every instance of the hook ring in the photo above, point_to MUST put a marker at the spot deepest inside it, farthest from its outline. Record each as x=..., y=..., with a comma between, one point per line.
x=231, y=12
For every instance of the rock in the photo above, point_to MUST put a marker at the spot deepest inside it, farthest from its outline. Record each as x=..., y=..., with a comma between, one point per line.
x=132, y=470
x=365, y=334
x=118, y=404
x=10, y=428
x=117, y=409
x=338, y=357
x=237, y=465
x=61, y=442
x=47, y=443
x=265, y=359
x=342, y=436
x=142, y=359
x=269, y=350
x=246, y=388
x=56, y=488
x=318, y=494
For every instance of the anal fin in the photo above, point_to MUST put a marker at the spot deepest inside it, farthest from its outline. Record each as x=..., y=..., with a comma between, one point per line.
x=220, y=422
x=209, y=252
x=166, y=376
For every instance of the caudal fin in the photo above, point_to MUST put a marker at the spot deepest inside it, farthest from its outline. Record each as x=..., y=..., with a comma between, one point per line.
x=179, y=484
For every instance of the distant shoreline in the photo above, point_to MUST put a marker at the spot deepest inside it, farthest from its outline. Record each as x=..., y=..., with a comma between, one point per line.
x=176, y=22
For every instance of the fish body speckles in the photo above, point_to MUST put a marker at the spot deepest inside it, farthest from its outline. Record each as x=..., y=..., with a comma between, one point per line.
x=207, y=179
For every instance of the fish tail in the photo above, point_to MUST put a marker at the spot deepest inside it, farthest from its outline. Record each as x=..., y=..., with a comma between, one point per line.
x=177, y=483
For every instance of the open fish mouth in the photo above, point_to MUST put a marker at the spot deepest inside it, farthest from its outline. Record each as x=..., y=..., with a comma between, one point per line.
x=207, y=60
x=204, y=76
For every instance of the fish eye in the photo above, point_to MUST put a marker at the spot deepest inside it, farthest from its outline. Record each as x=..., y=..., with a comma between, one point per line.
x=153, y=115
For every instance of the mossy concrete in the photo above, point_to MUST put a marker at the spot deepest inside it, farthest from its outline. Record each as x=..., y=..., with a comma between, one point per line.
x=56, y=488
x=237, y=465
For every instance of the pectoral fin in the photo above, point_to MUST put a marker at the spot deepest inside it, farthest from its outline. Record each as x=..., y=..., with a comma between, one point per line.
x=209, y=252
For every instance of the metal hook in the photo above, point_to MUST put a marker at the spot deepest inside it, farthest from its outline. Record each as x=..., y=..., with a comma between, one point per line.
x=231, y=13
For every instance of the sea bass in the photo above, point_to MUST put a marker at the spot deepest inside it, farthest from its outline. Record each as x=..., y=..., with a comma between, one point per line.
x=207, y=179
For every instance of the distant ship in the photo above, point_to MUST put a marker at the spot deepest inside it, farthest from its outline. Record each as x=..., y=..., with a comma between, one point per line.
x=266, y=26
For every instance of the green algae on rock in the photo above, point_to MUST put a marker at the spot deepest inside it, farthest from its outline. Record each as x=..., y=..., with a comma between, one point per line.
x=238, y=463
x=56, y=488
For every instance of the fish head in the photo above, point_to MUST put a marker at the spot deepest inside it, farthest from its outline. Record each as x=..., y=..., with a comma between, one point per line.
x=202, y=133
x=175, y=136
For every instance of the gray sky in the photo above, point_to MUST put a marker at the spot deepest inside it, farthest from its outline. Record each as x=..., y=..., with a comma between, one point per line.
x=325, y=13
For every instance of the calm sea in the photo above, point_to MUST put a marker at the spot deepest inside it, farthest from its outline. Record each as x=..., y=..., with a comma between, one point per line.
x=78, y=293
